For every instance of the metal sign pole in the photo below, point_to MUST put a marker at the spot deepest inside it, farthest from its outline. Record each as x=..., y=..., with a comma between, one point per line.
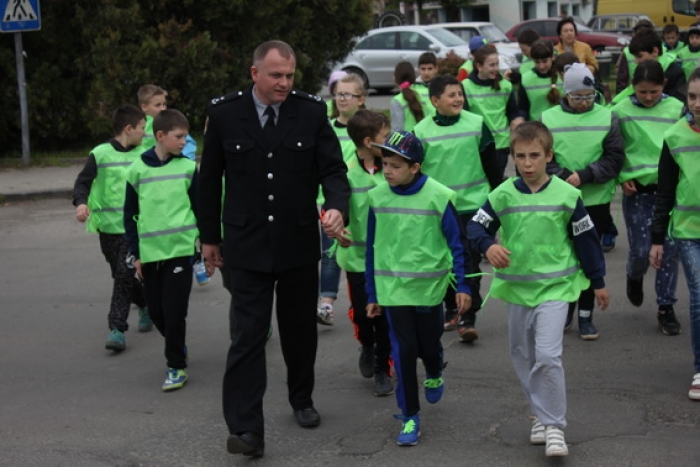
x=21, y=85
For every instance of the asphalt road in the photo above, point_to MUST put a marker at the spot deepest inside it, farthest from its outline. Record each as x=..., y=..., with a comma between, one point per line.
x=66, y=401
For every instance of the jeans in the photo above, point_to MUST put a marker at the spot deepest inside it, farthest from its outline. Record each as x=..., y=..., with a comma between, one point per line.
x=637, y=209
x=689, y=252
x=330, y=271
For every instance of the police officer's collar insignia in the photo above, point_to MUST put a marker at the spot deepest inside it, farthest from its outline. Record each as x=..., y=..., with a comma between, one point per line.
x=311, y=97
x=227, y=97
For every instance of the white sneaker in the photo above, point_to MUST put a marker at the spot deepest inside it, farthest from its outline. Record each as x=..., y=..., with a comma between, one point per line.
x=556, y=445
x=324, y=314
x=694, y=392
x=537, y=433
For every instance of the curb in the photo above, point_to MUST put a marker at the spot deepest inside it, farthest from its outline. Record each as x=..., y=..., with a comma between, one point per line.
x=37, y=195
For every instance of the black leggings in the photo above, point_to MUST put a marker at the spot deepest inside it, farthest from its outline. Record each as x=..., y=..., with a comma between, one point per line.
x=600, y=215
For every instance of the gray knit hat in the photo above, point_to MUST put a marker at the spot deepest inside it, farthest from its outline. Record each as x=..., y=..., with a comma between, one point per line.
x=577, y=77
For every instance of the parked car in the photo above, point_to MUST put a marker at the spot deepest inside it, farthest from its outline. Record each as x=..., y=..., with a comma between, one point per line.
x=547, y=29
x=509, y=52
x=376, y=54
x=619, y=23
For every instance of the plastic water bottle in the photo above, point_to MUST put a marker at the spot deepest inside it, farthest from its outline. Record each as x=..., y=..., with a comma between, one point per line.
x=200, y=273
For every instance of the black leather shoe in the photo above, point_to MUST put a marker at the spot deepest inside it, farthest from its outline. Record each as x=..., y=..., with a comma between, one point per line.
x=308, y=417
x=246, y=443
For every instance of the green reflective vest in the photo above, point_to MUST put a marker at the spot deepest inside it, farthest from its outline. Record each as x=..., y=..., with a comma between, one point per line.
x=149, y=139
x=467, y=66
x=684, y=144
x=526, y=65
x=329, y=107
x=689, y=60
x=166, y=224
x=412, y=260
x=642, y=129
x=423, y=91
x=534, y=228
x=348, y=149
x=409, y=121
x=106, y=200
x=352, y=258
x=491, y=104
x=578, y=142
x=665, y=60
x=537, y=89
x=451, y=157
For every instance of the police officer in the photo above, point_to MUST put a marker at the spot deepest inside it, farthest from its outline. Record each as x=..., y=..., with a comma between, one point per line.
x=274, y=146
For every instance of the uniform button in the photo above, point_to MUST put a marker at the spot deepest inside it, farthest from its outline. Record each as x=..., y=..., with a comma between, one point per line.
x=299, y=144
x=270, y=218
x=271, y=197
x=238, y=147
x=269, y=156
x=270, y=176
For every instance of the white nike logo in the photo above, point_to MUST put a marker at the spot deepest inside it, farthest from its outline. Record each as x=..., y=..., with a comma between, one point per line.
x=177, y=269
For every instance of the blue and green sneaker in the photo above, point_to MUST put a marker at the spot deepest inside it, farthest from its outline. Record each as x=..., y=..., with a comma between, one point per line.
x=175, y=380
x=116, y=341
x=410, y=430
x=434, y=388
x=145, y=323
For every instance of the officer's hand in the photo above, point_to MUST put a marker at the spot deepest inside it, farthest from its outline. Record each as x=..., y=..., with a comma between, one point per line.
x=332, y=223
x=498, y=256
x=212, y=253
x=82, y=212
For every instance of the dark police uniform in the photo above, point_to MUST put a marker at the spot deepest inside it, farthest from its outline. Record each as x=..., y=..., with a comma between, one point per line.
x=271, y=237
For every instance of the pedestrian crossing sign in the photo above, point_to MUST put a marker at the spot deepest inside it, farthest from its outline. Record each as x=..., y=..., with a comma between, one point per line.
x=20, y=15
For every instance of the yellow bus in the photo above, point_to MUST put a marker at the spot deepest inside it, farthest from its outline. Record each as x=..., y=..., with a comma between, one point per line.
x=661, y=12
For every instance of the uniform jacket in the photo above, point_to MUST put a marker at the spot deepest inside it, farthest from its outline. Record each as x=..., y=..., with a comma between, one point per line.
x=269, y=214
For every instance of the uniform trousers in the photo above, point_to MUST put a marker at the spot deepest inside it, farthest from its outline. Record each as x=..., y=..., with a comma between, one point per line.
x=536, y=336
x=415, y=333
x=245, y=379
x=167, y=285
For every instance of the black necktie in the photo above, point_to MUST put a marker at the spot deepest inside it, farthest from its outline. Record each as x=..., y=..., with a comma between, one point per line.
x=269, y=128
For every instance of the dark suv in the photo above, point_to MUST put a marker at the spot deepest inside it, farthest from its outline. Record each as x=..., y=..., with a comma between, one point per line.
x=547, y=29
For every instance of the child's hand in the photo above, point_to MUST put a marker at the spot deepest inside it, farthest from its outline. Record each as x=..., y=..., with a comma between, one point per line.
x=602, y=298
x=373, y=310
x=343, y=239
x=464, y=301
x=498, y=256
x=629, y=188
x=656, y=255
x=574, y=179
x=137, y=266
x=82, y=212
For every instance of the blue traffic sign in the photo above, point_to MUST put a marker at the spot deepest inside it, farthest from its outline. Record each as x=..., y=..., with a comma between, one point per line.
x=20, y=15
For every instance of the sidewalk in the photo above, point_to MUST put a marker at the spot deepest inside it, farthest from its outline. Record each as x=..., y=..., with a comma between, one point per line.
x=38, y=182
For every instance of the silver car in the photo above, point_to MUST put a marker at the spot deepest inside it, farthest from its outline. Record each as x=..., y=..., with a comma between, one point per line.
x=509, y=52
x=376, y=54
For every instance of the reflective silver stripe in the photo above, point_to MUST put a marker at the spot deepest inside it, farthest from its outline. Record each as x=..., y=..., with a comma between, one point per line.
x=158, y=233
x=160, y=178
x=110, y=209
x=412, y=275
x=543, y=86
x=640, y=167
x=640, y=118
x=417, y=212
x=490, y=94
x=113, y=164
x=580, y=128
x=501, y=130
x=362, y=189
x=343, y=138
x=536, y=277
x=452, y=136
x=688, y=60
x=362, y=244
x=679, y=207
x=467, y=185
x=555, y=208
x=685, y=149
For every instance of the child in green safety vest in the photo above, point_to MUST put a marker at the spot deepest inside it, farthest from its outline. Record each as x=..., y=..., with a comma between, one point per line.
x=407, y=108
x=689, y=56
x=672, y=38
x=525, y=40
x=350, y=95
x=459, y=152
x=414, y=239
x=589, y=150
x=98, y=197
x=677, y=210
x=364, y=173
x=427, y=68
x=161, y=230
x=548, y=253
x=492, y=97
x=541, y=87
x=330, y=103
x=644, y=117
x=475, y=43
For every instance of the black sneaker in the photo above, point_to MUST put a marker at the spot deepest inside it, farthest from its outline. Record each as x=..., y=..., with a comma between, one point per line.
x=383, y=385
x=635, y=291
x=367, y=361
x=668, y=323
x=586, y=329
